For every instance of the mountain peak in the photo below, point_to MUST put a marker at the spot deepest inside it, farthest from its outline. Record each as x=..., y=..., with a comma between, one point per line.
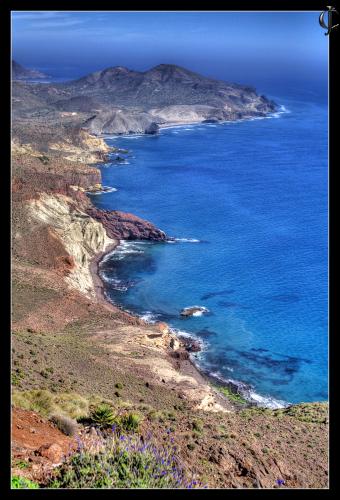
x=117, y=69
x=165, y=72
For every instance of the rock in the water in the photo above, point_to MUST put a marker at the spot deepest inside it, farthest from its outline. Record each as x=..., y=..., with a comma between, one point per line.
x=193, y=346
x=193, y=311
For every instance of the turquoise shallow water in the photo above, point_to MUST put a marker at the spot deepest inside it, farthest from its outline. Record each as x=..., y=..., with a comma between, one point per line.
x=254, y=194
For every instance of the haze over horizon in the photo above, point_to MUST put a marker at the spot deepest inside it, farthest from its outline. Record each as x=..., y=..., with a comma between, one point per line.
x=257, y=48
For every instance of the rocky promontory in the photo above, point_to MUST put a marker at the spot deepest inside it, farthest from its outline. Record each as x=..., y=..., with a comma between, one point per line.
x=125, y=226
x=19, y=72
x=118, y=100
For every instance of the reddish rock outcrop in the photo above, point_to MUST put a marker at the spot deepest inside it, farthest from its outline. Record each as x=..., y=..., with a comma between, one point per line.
x=52, y=452
x=125, y=226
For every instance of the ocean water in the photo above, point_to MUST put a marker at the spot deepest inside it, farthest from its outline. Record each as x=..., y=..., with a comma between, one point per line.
x=248, y=204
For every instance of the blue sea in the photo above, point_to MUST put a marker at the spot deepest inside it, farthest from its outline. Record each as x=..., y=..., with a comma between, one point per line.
x=247, y=202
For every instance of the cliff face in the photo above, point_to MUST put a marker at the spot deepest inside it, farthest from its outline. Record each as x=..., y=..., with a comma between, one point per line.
x=122, y=122
x=67, y=139
x=81, y=236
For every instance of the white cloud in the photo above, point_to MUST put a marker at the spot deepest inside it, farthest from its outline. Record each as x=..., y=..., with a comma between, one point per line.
x=37, y=15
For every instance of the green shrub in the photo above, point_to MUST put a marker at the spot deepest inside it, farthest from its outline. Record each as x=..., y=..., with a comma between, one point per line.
x=232, y=396
x=44, y=159
x=130, y=422
x=20, y=464
x=197, y=425
x=66, y=425
x=171, y=416
x=18, y=482
x=119, y=385
x=15, y=379
x=103, y=415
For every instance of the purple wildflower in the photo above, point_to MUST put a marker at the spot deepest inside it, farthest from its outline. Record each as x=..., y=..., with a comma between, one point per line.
x=280, y=482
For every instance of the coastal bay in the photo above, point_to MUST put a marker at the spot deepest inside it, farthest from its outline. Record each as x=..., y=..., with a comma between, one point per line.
x=248, y=330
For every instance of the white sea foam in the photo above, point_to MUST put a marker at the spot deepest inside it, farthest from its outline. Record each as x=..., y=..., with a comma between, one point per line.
x=186, y=240
x=149, y=317
x=202, y=310
x=116, y=163
x=190, y=335
x=108, y=189
x=123, y=249
x=134, y=136
x=116, y=284
x=198, y=125
x=283, y=110
x=267, y=401
x=247, y=392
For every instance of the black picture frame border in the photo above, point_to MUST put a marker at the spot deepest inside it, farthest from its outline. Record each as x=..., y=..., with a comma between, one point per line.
x=7, y=7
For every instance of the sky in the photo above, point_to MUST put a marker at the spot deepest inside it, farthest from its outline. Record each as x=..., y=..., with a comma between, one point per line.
x=244, y=47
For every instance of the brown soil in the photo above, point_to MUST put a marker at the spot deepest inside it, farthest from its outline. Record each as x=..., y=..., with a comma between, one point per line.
x=32, y=436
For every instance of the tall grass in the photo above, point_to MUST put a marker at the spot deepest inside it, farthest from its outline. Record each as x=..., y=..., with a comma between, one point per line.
x=47, y=403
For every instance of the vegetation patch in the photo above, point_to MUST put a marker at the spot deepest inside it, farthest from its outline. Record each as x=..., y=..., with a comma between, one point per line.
x=47, y=403
x=124, y=462
x=19, y=482
x=44, y=159
x=197, y=425
x=232, y=396
x=103, y=415
x=316, y=413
